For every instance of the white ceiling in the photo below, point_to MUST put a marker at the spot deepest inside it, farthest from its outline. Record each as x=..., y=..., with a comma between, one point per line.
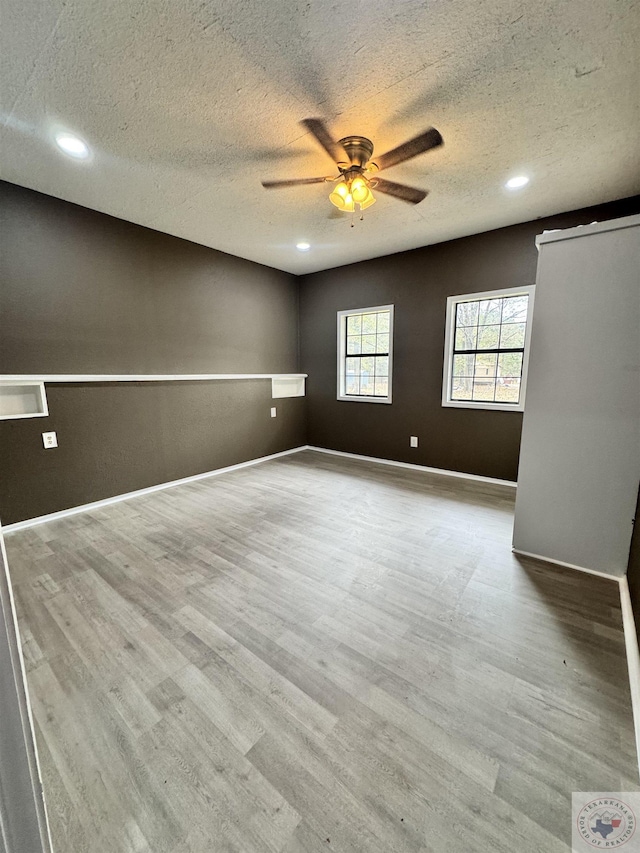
x=188, y=105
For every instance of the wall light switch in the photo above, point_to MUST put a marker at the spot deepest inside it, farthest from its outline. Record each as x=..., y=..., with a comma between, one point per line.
x=49, y=439
x=414, y=441
x=273, y=411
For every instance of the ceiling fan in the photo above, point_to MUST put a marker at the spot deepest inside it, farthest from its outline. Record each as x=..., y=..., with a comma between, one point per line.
x=358, y=172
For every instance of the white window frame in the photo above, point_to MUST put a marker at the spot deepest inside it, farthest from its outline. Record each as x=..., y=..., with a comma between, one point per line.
x=452, y=302
x=342, y=353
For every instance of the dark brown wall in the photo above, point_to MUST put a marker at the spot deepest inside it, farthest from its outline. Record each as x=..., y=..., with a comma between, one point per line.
x=81, y=292
x=418, y=284
x=118, y=437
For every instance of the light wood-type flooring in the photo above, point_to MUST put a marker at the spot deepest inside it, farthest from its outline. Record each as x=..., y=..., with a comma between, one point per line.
x=316, y=654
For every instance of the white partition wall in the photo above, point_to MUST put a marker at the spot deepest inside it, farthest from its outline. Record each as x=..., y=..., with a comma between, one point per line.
x=580, y=452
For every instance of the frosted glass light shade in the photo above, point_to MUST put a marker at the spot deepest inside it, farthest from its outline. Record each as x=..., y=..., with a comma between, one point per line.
x=359, y=190
x=339, y=195
x=369, y=200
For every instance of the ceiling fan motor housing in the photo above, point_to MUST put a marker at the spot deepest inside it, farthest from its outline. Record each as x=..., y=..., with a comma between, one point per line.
x=359, y=150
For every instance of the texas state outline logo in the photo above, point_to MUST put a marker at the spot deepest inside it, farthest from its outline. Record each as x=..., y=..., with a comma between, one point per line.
x=605, y=821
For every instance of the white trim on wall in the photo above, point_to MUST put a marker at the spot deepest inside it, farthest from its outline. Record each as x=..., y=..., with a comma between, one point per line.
x=599, y=574
x=413, y=467
x=145, y=377
x=342, y=354
x=633, y=655
x=630, y=633
x=64, y=513
x=452, y=301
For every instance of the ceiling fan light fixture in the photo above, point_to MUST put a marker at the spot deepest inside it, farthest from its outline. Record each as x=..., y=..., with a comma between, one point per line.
x=354, y=188
x=349, y=205
x=369, y=200
x=347, y=194
x=359, y=190
x=340, y=195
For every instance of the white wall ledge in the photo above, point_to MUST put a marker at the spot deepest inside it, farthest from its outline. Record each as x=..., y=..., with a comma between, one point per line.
x=143, y=377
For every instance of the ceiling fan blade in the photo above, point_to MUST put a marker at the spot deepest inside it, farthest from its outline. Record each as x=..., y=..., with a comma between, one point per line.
x=294, y=182
x=317, y=128
x=418, y=145
x=401, y=191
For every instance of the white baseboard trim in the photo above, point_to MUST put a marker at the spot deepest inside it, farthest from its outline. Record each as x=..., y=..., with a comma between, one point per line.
x=630, y=634
x=633, y=656
x=64, y=513
x=606, y=575
x=413, y=467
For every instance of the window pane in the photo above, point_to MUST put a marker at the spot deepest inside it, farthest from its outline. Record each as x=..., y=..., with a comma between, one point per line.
x=512, y=335
x=368, y=343
x=467, y=314
x=489, y=312
x=367, y=385
x=485, y=364
x=369, y=324
x=352, y=385
x=382, y=387
x=510, y=364
x=383, y=343
x=463, y=365
x=461, y=388
x=382, y=365
x=484, y=389
x=485, y=367
x=367, y=364
x=508, y=391
x=354, y=324
x=514, y=309
x=466, y=338
x=383, y=321
x=353, y=344
x=488, y=337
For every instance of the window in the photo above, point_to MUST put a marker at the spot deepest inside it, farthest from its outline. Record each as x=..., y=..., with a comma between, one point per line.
x=365, y=344
x=487, y=348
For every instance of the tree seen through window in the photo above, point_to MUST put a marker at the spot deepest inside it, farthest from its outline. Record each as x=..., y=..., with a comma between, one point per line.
x=488, y=349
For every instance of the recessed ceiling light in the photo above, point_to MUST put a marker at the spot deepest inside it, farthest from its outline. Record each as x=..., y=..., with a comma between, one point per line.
x=72, y=145
x=517, y=183
x=303, y=247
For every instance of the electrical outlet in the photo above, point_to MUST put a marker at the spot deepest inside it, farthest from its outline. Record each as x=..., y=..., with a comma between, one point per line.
x=273, y=411
x=414, y=441
x=49, y=439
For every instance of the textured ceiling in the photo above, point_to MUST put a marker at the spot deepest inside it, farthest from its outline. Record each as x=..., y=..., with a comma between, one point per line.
x=188, y=105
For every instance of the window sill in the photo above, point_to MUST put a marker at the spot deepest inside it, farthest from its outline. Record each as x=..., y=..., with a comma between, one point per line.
x=496, y=407
x=344, y=397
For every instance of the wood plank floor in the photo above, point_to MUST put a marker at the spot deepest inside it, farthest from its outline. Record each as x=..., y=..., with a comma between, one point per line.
x=316, y=654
